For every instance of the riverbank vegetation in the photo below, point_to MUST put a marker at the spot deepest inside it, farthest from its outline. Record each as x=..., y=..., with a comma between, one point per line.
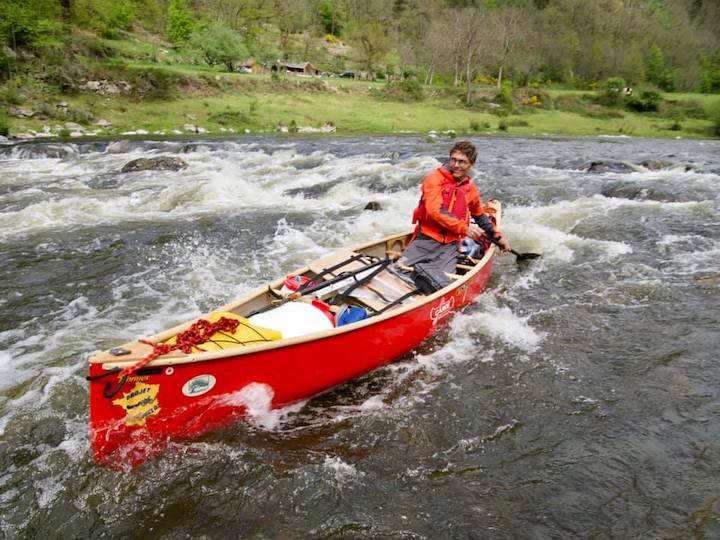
x=103, y=68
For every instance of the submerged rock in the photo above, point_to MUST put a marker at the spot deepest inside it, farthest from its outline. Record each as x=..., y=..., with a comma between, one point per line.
x=708, y=283
x=636, y=193
x=609, y=165
x=656, y=165
x=165, y=163
x=659, y=165
x=373, y=205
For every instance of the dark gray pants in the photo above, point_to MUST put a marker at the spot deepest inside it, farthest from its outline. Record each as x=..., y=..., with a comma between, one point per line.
x=439, y=256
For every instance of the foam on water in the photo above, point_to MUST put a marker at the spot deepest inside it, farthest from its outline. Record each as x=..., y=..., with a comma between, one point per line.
x=212, y=184
x=257, y=400
x=545, y=229
x=342, y=472
x=500, y=322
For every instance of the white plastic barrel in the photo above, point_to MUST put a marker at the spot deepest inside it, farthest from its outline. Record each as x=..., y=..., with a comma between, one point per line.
x=293, y=319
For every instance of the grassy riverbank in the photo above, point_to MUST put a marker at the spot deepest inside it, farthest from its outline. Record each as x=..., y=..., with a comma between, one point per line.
x=186, y=100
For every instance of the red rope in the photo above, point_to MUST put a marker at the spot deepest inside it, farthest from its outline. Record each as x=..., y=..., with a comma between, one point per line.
x=200, y=332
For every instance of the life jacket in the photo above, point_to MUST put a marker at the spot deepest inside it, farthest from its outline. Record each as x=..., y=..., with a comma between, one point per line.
x=454, y=201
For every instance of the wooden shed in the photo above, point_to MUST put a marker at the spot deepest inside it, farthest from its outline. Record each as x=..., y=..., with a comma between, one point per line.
x=305, y=68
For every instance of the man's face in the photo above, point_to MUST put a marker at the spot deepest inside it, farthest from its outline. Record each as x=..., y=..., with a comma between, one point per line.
x=459, y=165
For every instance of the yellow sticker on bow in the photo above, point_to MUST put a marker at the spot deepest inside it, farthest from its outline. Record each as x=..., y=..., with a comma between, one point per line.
x=140, y=403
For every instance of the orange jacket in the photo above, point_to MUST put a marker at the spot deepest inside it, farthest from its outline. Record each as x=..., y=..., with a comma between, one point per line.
x=446, y=206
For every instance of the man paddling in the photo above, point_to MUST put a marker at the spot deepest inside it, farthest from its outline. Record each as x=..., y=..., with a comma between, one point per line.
x=449, y=199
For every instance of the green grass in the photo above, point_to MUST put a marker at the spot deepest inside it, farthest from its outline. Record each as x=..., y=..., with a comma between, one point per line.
x=219, y=101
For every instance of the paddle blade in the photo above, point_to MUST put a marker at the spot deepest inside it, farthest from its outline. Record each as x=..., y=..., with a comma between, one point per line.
x=525, y=256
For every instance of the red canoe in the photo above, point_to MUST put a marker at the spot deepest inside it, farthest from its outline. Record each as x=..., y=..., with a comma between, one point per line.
x=179, y=384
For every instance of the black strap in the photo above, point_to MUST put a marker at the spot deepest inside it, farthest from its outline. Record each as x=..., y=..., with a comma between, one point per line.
x=342, y=296
x=396, y=302
x=330, y=270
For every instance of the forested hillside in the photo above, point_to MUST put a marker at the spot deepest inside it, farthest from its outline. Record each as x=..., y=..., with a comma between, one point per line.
x=674, y=44
x=153, y=46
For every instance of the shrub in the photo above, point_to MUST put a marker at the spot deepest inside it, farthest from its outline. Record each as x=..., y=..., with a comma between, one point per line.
x=571, y=102
x=505, y=95
x=229, y=118
x=485, y=79
x=479, y=126
x=406, y=90
x=46, y=110
x=611, y=91
x=4, y=125
x=534, y=97
x=80, y=116
x=645, y=101
x=714, y=114
x=11, y=95
x=153, y=83
x=684, y=109
x=499, y=112
x=502, y=125
x=122, y=14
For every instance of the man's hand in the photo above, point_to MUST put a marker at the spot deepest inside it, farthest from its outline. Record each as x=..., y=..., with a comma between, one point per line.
x=475, y=232
x=503, y=244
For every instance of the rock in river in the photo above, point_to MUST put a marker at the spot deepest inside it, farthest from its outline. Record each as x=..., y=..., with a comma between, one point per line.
x=609, y=166
x=165, y=163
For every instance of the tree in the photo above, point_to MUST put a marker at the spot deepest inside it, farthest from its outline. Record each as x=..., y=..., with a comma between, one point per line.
x=709, y=73
x=219, y=45
x=656, y=71
x=469, y=53
x=180, y=22
x=506, y=33
x=290, y=18
x=29, y=23
x=332, y=16
x=373, y=41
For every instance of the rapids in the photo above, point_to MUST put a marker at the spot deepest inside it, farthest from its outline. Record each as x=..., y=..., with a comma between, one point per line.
x=578, y=397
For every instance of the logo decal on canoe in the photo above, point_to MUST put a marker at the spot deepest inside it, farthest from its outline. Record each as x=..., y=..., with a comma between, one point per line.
x=139, y=403
x=443, y=309
x=197, y=386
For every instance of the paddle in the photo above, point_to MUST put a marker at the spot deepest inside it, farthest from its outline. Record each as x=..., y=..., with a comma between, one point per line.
x=520, y=256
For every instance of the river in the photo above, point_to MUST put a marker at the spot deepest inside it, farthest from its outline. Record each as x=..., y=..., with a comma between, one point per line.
x=577, y=398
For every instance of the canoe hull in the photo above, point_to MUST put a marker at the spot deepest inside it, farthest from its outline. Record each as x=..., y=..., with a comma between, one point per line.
x=180, y=399
x=154, y=406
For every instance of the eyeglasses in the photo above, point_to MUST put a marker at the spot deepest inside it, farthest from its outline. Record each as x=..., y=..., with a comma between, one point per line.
x=462, y=162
